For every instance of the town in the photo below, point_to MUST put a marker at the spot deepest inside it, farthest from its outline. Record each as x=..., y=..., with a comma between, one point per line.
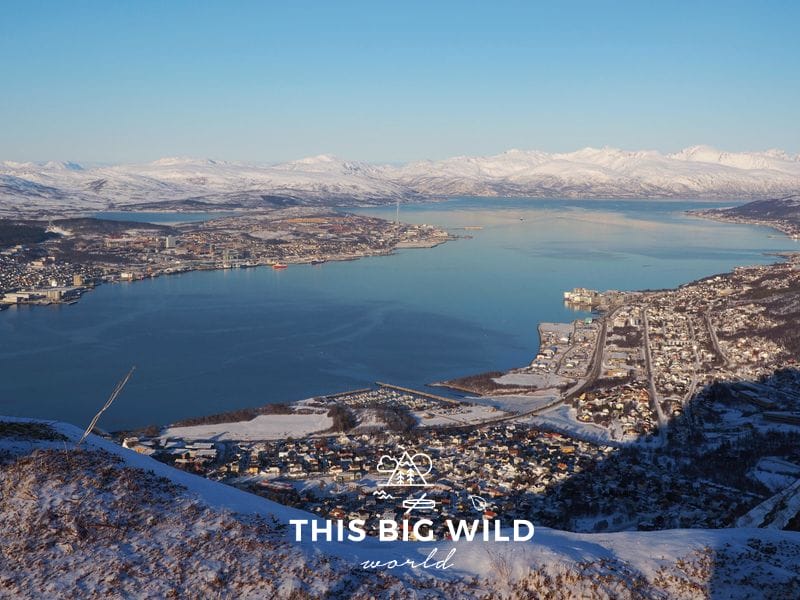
x=58, y=260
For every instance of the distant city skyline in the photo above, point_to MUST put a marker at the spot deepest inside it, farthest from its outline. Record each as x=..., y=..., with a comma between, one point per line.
x=111, y=83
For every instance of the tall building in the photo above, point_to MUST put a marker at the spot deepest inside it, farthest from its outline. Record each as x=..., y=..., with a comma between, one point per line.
x=169, y=242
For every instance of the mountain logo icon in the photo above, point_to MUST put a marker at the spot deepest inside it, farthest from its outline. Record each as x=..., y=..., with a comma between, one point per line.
x=407, y=471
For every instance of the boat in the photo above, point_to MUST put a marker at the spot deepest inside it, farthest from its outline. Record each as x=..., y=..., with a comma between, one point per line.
x=279, y=265
x=317, y=261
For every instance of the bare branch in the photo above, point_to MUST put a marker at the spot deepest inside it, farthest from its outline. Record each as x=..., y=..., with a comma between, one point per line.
x=111, y=398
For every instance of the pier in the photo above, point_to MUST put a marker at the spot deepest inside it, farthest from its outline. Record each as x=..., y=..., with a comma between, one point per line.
x=348, y=393
x=418, y=393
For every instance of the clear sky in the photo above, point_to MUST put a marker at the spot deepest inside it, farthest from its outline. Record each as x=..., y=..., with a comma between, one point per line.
x=393, y=81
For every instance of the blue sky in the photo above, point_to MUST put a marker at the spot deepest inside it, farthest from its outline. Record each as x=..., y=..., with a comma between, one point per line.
x=389, y=82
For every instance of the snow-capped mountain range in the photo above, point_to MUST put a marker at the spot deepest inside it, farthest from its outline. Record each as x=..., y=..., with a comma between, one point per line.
x=696, y=172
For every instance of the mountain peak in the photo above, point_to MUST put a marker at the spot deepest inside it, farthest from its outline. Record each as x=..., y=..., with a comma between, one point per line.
x=776, y=160
x=319, y=159
x=63, y=165
x=698, y=152
x=175, y=161
x=326, y=163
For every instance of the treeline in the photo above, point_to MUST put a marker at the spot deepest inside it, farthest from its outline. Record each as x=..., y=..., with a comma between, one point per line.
x=732, y=461
x=344, y=419
x=89, y=225
x=15, y=232
x=234, y=416
x=396, y=418
x=481, y=383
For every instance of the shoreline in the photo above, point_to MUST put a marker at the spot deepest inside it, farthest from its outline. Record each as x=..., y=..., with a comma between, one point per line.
x=790, y=230
x=511, y=390
x=127, y=273
x=555, y=396
x=563, y=395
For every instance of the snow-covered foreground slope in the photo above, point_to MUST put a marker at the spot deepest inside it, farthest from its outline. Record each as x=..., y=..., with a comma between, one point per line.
x=697, y=172
x=106, y=522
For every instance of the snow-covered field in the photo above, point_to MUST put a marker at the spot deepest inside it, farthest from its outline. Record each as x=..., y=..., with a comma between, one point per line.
x=562, y=418
x=520, y=403
x=774, y=512
x=775, y=473
x=561, y=329
x=312, y=421
x=537, y=380
x=84, y=523
x=465, y=414
x=263, y=427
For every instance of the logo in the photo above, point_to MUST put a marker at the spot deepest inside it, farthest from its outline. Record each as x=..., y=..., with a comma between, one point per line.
x=410, y=473
x=407, y=471
x=421, y=503
x=480, y=504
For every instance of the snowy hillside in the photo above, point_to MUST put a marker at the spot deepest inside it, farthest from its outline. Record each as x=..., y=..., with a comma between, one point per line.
x=609, y=172
x=697, y=172
x=777, y=208
x=107, y=522
x=316, y=180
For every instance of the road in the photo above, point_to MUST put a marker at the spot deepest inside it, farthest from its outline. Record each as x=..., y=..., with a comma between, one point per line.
x=593, y=373
x=715, y=341
x=597, y=359
x=656, y=404
x=564, y=355
x=687, y=400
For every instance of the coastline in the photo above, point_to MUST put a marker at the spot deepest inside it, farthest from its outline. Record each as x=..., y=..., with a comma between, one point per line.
x=128, y=273
x=526, y=399
x=510, y=392
x=489, y=387
x=790, y=230
x=535, y=389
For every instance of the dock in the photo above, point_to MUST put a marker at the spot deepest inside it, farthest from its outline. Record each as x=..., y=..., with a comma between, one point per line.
x=340, y=394
x=418, y=393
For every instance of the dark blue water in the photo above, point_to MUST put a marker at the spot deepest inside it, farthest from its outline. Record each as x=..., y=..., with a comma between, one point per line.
x=212, y=341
